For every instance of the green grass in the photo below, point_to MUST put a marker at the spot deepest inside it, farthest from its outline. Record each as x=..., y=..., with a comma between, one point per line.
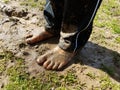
x=34, y=4
x=4, y=59
x=6, y=1
x=20, y=79
x=116, y=26
x=117, y=40
x=107, y=21
x=108, y=15
x=91, y=75
x=107, y=84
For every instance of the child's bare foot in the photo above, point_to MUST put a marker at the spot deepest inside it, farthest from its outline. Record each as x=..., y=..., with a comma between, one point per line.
x=55, y=59
x=38, y=36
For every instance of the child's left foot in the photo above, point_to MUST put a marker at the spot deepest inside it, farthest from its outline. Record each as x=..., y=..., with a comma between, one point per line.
x=55, y=59
x=37, y=36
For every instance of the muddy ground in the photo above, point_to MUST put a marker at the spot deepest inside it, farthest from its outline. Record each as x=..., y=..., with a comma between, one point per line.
x=16, y=24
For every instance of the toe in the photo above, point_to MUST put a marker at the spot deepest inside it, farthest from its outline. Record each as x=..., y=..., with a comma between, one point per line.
x=55, y=66
x=31, y=40
x=46, y=64
x=61, y=65
x=28, y=41
x=50, y=65
x=41, y=59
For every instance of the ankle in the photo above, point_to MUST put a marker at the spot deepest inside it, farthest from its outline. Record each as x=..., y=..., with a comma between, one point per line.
x=61, y=51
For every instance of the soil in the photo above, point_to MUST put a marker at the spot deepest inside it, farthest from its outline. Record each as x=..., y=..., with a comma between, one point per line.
x=16, y=24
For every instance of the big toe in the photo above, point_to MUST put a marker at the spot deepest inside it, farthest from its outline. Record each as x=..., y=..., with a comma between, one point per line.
x=41, y=59
x=32, y=40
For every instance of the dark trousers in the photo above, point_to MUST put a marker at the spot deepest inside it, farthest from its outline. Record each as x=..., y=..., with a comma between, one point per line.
x=72, y=19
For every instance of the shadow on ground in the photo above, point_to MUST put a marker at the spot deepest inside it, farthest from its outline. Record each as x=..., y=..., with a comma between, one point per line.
x=101, y=58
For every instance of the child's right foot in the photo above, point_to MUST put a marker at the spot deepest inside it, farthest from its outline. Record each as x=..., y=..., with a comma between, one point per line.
x=38, y=36
x=55, y=59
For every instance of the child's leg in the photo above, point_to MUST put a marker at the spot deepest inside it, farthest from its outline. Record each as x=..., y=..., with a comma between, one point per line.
x=77, y=23
x=75, y=31
x=53, y=14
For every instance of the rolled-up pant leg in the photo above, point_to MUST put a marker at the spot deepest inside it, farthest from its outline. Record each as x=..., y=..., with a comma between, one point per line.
x=73, y=19
x=77, y=22
x=53, y=14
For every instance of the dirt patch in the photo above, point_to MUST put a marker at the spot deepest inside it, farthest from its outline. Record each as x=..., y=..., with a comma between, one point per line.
x=18, y=21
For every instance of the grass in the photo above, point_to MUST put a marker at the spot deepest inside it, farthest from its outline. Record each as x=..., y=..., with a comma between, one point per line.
x=6, y=1
x=108, y=16
x=116, y=26
x=34, y=4
x=107, y=20
x=4, y=58
x=20, y=79
x=107, y=84
x=91, y=75
x=117, y=39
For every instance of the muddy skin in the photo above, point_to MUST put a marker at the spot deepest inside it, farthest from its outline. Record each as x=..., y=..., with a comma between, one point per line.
x=55, y=59
x=38, y=36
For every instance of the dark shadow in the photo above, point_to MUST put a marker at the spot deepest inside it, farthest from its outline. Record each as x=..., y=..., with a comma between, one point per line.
x=100, y=57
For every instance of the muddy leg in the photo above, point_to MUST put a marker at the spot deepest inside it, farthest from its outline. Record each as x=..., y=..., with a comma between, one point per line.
x=75, y=31
x=53, y=16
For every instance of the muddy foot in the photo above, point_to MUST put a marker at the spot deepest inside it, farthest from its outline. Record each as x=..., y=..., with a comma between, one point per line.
x=38, y=36
x=55, y=59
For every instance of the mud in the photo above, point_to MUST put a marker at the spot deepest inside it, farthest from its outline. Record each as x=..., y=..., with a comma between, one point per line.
x=16, y=22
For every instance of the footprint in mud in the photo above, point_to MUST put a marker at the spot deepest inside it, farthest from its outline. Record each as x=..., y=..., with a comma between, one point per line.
x=22, y=45
x=13, y=11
